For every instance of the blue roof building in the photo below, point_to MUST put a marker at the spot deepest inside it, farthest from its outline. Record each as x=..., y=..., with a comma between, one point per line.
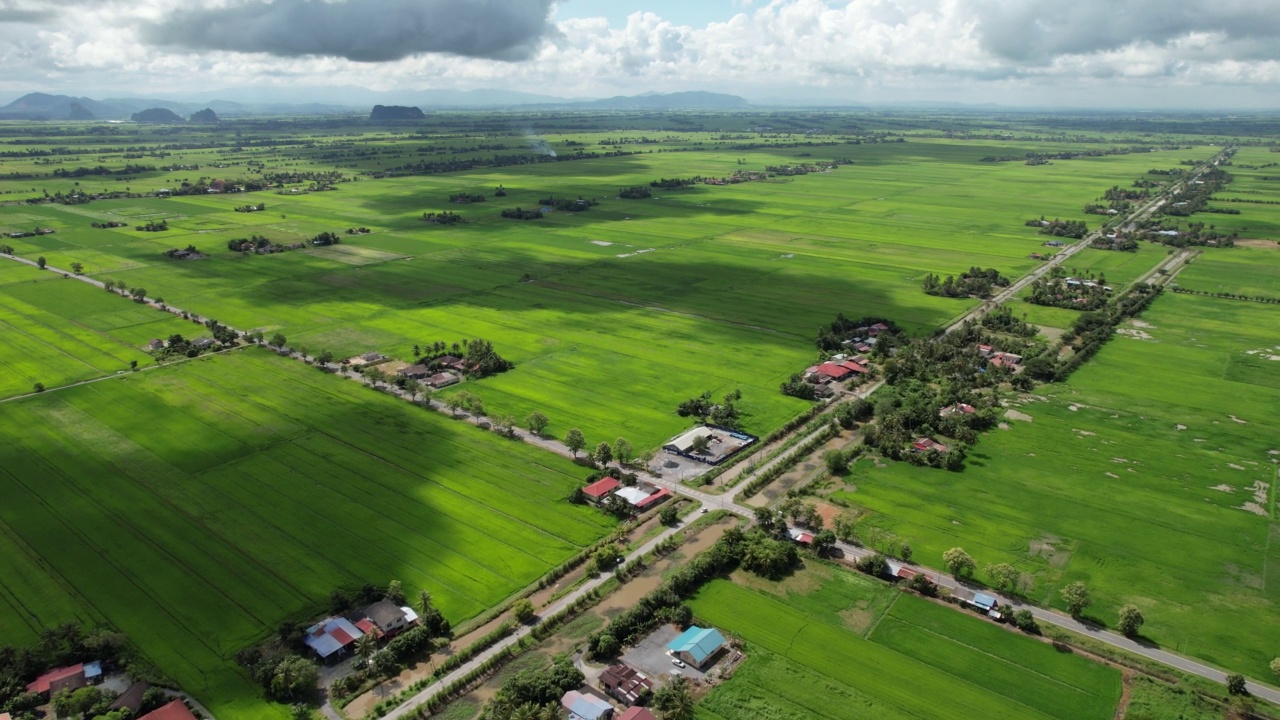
x=984, y=601
x=697, y=645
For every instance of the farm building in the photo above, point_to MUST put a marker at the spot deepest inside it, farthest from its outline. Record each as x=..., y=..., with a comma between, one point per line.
x=980, y=600
x=643, y=496
x=369, y=358
x=175, y=710
x=390, y=618
x=697, y=646
x=72, y=677
x=625, y=683
x=957, y=409
x=926, y=444
x=131, y=698
x=583, y=706
x=443, y=380
x=203, y=343
x=637, y=713
x=156, y=344
x=722, y=443
x=415, y=372
x=898, y=570
x=597, y=491
x=331, y=637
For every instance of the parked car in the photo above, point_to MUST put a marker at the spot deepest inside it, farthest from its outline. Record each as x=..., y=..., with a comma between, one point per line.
x=678, y=662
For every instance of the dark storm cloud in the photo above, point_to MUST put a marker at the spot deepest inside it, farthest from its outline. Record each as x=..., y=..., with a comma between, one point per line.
x=1036, y=31
x=362, y=30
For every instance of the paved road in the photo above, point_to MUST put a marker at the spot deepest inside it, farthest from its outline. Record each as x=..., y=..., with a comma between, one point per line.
x=413, y=703
x=1053, y=617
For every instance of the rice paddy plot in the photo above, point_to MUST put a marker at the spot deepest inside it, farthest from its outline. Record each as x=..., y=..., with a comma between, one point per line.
x=196, y=507
x=801, y=664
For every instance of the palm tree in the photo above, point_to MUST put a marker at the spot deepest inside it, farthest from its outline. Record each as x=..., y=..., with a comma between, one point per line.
x=424, y=601
x=675, y=700
x=366, y=646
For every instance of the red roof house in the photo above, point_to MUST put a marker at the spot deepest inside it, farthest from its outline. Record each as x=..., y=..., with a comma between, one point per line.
x=66, y=678
x=654, y=499
x=854, y=367
x=600, y=489
x=368, y=627
x=834, y=371
x=950, y=410
x=176, y=710
x=637, y=713
x=924, y=444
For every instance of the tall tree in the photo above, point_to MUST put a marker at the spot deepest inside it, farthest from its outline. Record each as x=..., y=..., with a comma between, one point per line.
x=959, y=562
x=536, y=422
x=603, y=454
x=675, y=700
x=622, y=451
x=1131, y=620
x=1076, y=596
x=575, y=441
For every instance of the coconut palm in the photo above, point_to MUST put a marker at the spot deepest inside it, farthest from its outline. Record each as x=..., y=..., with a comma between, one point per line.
x=366, y=647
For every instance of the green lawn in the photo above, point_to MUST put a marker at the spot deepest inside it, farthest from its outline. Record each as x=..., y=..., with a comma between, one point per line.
x=196, y=507
x=805, y=663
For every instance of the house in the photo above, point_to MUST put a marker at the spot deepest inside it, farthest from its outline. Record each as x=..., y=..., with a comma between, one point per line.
x=331, y=637
x=176, y=710
x=721, y=443
x=960, y=408
x=368, y=627
x=985, y=350
x=390, y=618
x=582, y=706
x=415, y=372
x=625, y=683
x=637, y=713
x=369, y=358
x=697, y=646
x=803, y=537
x=451, y=361
x=898, y=570
x=926, y=444
x=156, y=344
x=203, y=343
x=984, y=601
x=643, y=496
x=854, y=367
x=131, y=698
x=442, y=380
x=597, y=491
x=64, y=678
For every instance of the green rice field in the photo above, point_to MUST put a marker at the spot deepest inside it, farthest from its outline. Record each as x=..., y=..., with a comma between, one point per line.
x=1170, y=434
x=195, y=508
x=805, y=660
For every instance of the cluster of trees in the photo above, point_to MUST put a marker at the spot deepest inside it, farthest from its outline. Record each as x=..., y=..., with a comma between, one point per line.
x=1060, y=228
x=153, y=226
x=259, y=244
x=60, y=646
x=674, y=183
x=1055, y=292
x=325, y=239
x=637, y=192
x=102, y=170
x=975, y=281
x=109, y=224
x=832, y=337
x=566, y=204
x=805, y=168
x=477, y=354
x=535, y=694
x=462, y=198
x=1194, y=197
x=6, y=249
x=186, y=253
x=1002, y=320
x=442, y=218
x=252, y=208
x=358, y=230
x=1120, y=243
x=284, y=675
x=522, y=214
x=1192, y=235
x=796, y=387
x=724, y=413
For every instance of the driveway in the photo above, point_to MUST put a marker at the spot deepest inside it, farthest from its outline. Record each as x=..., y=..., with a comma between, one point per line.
x=650, y=657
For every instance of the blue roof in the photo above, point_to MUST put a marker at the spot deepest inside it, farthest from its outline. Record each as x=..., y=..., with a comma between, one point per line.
x=93, y=669
x=589, y=708
x=984, y=600
x=700, y=643
x=329, y=636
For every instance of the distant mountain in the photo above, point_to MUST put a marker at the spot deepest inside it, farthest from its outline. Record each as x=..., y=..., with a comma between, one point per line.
x=695, y=100
x=79, y=112
x=157, y=115
x=388, y=113
x=205, y=116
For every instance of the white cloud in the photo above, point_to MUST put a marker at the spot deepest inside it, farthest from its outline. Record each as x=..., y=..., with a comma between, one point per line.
x=981, y=50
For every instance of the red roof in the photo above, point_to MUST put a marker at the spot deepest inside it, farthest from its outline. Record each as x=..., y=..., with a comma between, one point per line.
x=833, y=370
x=342, y=636
x=41, y=684
x=601, y=487
x=637, y=713
x=368, y=628
x=655, y=498
x=854, y=367
x=175, y=710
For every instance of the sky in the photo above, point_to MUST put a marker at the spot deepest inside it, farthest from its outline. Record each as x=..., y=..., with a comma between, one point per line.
x=1168, y=54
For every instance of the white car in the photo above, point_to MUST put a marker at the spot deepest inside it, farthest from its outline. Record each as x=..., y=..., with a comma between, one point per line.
x=678, y=662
